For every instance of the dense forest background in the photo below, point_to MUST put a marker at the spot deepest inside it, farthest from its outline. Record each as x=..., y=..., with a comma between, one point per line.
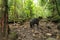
x=26, y=9
x=19, y=10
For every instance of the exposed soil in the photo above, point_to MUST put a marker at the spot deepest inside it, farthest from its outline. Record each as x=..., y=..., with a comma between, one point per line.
x=45, y=31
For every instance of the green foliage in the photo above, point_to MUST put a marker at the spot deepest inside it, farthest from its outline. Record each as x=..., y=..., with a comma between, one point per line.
x=56, y=18
x=0, y=2
x=26, y=9
x=42, y=9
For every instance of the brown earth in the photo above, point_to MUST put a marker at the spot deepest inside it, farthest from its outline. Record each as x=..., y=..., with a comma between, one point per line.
x=45, y=31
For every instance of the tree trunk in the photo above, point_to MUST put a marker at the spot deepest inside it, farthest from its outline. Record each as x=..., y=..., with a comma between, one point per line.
x=57, y=7
x=5, y=19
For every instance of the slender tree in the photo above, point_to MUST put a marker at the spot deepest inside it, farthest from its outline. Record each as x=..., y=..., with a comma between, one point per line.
x=5, y=18
x=57, y=7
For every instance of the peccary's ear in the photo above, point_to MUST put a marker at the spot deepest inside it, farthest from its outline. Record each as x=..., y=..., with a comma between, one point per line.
x=40, y=17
